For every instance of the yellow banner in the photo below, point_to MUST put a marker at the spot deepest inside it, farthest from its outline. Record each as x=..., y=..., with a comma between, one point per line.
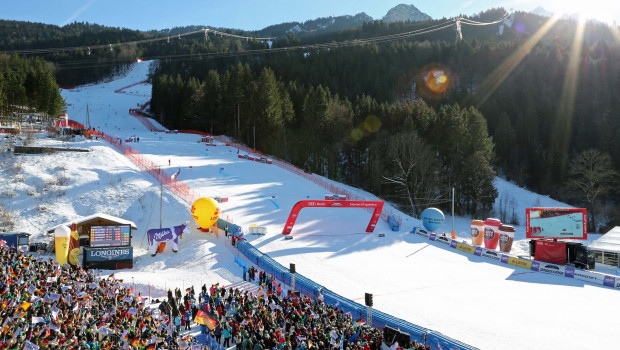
x=465, y=248
x=525, y=264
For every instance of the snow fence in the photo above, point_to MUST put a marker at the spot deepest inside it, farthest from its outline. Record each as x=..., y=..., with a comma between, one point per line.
x=380, y=319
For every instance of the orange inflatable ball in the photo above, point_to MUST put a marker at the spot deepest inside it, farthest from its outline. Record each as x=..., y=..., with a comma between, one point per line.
x=205, y=211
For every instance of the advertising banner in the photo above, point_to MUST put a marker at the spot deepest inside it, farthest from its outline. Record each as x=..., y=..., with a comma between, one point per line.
x=443, y=240
x=478, y=251
x=422, y=233
x=564, y=223
x=465, y=248
x=490, y=254
x=552, y=269
x=534, y=265
x=522, y=263
x=587, y=276
x=609, y=281
x=108, y=254
x=553, y=252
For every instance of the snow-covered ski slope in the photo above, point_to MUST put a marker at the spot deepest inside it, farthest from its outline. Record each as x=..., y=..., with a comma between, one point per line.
x=484, y=304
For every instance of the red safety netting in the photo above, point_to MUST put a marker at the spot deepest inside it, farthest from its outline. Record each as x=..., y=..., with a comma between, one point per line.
x=189, y=195
x=175, y=186
x=121, y=90
x=146, y=121
x=137, y=113
x=328, y=185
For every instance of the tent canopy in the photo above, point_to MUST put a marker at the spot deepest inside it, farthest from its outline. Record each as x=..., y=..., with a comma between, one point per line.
x=609, y=242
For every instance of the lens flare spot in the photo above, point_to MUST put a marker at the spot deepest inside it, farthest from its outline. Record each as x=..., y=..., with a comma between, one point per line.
x=437, y=80
x=373, y=123
x=520, y=27
x=357, y=134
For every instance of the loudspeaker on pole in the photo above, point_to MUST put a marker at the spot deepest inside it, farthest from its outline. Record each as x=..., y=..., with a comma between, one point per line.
x=368, y=299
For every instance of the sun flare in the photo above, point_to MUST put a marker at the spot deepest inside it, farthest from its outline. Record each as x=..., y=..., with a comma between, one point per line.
x=602, y=10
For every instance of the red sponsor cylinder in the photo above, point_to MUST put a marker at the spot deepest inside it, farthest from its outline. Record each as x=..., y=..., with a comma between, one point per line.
x=491, y=232
x=477, y=232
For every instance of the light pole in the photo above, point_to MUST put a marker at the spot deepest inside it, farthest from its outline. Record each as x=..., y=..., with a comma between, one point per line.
x=453, y=233
x=161, y=194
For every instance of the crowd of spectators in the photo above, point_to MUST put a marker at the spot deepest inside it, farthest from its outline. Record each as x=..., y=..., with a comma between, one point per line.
x=49, y=306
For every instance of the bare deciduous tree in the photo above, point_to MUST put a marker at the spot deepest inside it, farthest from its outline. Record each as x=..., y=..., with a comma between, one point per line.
x=412, y=168
x=591, y=175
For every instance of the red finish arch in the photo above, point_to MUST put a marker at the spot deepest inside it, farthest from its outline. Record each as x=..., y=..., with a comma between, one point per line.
x=376, y=215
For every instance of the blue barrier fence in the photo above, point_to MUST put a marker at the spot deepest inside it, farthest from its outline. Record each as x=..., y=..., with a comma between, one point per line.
x=206, y=339
x=358, y=311
x=225, y=225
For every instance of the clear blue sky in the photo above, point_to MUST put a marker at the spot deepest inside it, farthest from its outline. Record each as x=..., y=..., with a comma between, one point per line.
x=256, y=14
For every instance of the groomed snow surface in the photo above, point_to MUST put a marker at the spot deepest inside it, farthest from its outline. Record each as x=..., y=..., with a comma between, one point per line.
x=484, y=304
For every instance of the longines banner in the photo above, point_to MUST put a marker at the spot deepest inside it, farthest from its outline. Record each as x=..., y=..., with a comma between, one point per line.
x=108, y=254
x=534, y=265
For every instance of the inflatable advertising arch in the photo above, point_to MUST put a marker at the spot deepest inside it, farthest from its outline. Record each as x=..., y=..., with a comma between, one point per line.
x=376, y=215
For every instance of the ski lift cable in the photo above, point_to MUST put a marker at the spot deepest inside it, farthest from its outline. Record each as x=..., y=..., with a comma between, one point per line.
x=90, y=48
x=239, y=36
x=167, y=38
x=355, y=42
x=476, y=23
x=222, y=34
x=102, y=46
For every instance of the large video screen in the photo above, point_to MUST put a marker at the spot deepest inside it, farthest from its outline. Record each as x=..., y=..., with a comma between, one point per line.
x=564, y=223
x=110, y=236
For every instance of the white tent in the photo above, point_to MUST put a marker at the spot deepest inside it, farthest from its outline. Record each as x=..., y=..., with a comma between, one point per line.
x=607, y=247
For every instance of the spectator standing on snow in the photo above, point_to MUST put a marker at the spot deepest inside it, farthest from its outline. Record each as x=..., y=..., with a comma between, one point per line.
x=226, y=334
x=217, y=332
x=177, y=323
x=238, y=341
x=188, y=320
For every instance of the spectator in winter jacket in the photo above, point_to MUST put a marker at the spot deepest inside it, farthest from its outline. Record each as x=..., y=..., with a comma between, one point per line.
x=177, y=323
x=226, y=334
x=217, y=332
x=237, y=340
x=188, y=321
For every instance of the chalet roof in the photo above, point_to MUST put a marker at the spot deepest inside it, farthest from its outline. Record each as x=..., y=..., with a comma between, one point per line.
x=98, y=217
